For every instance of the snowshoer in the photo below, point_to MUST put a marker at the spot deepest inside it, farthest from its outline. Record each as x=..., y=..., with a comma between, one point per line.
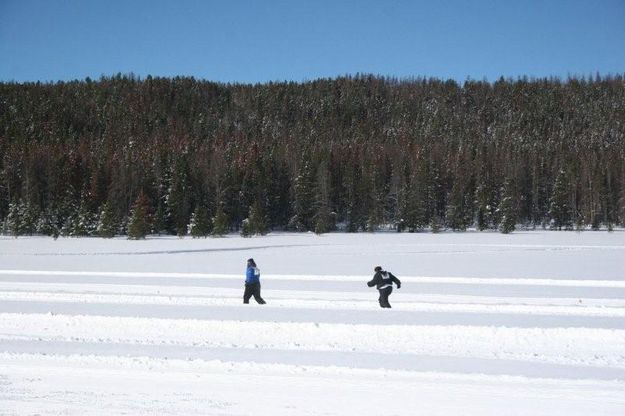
x=383, y=281
x=252, y=283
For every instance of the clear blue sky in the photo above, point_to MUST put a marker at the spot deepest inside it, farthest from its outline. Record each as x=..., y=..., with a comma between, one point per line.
x=258, y=41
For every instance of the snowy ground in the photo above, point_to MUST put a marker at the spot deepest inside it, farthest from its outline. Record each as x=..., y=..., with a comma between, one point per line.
x=484, y=324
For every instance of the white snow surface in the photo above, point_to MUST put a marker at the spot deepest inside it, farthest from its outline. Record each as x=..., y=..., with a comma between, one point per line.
x=530, y=323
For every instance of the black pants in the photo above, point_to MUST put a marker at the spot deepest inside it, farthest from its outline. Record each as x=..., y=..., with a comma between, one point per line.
x=252, y=289
x=384, y=294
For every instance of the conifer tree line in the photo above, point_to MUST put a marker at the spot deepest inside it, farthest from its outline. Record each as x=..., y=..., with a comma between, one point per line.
x=130, y=156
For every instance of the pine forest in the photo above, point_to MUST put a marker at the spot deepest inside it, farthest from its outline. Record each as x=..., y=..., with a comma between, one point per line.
x=134, y=156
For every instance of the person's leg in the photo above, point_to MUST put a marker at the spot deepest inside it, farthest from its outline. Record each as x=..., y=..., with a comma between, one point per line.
x=382, y=299
x=257, y=294
x=384, y=294
x=249, y=290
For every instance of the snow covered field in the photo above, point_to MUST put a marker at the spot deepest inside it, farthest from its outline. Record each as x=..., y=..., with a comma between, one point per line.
x=484, y=324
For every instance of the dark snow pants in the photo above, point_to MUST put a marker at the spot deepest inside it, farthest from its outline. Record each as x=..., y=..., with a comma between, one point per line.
x=384, y=294
x=252, y=289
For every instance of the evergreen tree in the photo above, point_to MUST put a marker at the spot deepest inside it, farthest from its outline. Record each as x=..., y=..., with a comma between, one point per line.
x=279, y=195
x=609, y=202
x=373, y=222
x=378, y=190
x=85, y=221
x=459, y=208
x=48, y=223
x=139, y=223
x=595, y=205
x=414, y=201
x=483, y=207
x=325, y=221
x=69, y=224
x=178, y=197
x=560, y=206
x=436, y=224
x=14, y=223
x=68, y=215
x=29, y=217
x=220, y=223
x=580, y=224
x=160, y=217
x=621, y=205
x=200, y=224
x=324, y=218
x=458, y=211
x=304, y=204
x=107, y=225
x=356, y=193
x=122, y=228
x=21, y=219
x=257, y=219
x=391, y=207
x=246, y=228
x=408, y=215
x=161, y=222
x=508, y=211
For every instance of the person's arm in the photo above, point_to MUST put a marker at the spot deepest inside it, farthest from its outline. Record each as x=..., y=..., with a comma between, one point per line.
x=394, y=279
x=374, y=281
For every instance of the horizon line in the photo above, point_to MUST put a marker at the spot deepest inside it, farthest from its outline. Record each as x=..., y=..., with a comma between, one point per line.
x=591, y=77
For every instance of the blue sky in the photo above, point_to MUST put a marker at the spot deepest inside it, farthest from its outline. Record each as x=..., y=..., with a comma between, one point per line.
x=259, y=41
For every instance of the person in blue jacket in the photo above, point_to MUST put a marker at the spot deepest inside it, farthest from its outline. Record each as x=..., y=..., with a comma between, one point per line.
x=252, y=283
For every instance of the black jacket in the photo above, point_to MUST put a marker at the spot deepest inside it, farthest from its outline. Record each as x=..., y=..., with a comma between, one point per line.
x=384, y=279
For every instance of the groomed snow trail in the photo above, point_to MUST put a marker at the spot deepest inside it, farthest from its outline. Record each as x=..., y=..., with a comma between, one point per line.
x=78, y=338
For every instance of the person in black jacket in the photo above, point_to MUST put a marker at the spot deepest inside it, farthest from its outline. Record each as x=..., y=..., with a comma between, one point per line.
x=383, y=281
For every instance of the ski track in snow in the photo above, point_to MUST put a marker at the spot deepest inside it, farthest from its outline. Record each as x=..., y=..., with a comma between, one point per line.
x=65, y=321
x=182, y=342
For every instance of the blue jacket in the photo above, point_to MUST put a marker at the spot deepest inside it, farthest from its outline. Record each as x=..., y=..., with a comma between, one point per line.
x=252, y=275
